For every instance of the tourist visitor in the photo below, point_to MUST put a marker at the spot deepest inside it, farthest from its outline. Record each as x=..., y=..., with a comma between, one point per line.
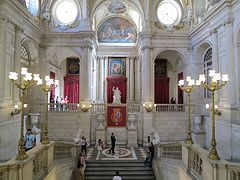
x=117, y=177
x=81, y=165
x=151, y=149
x=113, y=142
x=99, y=148
x=83, y=143
x=30, y=140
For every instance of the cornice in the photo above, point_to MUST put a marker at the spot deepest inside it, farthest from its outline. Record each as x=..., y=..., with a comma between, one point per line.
x=210, y=16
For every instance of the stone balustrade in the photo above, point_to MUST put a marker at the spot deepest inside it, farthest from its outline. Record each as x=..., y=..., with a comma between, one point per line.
x=42, y=163
x=36, y=166
x=169, y=108
x=195, y=160
x=98, y=108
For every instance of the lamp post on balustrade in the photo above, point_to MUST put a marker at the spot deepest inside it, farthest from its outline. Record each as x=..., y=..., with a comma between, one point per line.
x=217, y=82
x=25, y=82
x=188, y=89
x=49, y=84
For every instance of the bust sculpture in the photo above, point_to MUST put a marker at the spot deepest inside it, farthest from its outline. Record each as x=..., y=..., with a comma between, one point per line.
x=116, y=96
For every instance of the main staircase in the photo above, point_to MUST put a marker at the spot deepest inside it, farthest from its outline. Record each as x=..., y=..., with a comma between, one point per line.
x=128, y=170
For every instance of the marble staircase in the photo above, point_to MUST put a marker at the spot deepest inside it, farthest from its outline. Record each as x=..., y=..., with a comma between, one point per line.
x=128, y=170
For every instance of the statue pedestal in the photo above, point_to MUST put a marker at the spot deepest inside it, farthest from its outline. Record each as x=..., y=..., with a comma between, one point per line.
x=100, y=130
x=100, y=134
x=198, y=133
x=132, y=137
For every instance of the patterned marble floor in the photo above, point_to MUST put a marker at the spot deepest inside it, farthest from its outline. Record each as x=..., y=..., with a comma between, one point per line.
x=121, y=153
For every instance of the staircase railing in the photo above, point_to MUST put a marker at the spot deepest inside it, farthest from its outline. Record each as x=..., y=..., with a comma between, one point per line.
x=195, y=160
x=42, y=160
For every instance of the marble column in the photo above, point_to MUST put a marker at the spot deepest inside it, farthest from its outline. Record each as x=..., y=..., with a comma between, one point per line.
x=105, y=78
x=128, y=78
x=95, y=79
x=85, y=74
x=132, y=79
x=3, y=29
x=137, y=80
x=100, y=130
x=146, y=75
x=101, y=79
x=17, y=57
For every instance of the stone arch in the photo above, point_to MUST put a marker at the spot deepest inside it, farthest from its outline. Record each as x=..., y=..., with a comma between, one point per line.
x=136, y=3
x=62, y=53
x=201, y=49
x=175, y=60
x=179, y=52
x=32, y=49
x=99, y=10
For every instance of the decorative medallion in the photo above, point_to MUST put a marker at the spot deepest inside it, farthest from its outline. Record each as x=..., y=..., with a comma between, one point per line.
x=117, y=8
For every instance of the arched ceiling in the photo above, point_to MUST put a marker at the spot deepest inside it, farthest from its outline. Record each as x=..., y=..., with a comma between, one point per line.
x=117, y=8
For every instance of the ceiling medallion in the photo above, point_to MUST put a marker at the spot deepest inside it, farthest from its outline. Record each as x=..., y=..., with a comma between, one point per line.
x=117, y=7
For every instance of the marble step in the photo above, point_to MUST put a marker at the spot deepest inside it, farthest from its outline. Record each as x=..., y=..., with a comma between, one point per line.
x=123, y=177
x=129, y=170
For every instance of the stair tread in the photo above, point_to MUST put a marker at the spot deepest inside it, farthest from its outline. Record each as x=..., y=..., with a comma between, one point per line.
x=129, y=170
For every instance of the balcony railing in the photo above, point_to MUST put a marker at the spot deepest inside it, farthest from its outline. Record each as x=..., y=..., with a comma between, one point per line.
x=170, y=108
x=100, y=108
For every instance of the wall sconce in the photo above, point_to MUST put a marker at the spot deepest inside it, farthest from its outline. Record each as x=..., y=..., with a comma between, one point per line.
x=84, y=107
x=149, y=106
x=16, y=110
x=216, y=111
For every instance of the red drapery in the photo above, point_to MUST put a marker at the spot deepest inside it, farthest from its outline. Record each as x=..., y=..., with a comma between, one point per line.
x=52, y=92
x=121, y=83
x=161, y=90
x=71, y=88
x=180, y=92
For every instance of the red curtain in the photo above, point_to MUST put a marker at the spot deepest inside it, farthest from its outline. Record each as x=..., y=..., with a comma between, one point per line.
x=121, y=83
x=180, y=92
x=71, y=88
x=52, y=92
x=161, y=90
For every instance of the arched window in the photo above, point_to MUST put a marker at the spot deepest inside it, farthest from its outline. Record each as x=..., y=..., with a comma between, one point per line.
x=207, y=66
x=25, y=61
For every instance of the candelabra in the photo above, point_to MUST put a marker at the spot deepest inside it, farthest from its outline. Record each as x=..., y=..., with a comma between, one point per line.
x=188, y=89
x=50, y=83
x=25, y=82
x=149, y=106
x=217, y=82
x=85, y=107
x=216, y=110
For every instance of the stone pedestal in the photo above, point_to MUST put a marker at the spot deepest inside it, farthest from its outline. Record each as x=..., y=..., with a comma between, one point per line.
x=132, y=137
x=100, y=134
x=100, y=130
x=35, y=131
x=198, y=134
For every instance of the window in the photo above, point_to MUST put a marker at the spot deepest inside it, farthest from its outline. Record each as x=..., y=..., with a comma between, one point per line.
x=32, y=6
x=66, y=11
x=24, y=56
x=169, y=13
x=207, y=66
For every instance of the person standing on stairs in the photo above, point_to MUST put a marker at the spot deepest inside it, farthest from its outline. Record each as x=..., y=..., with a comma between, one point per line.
x=99, y=148
x=81, y=165
x=113, y=142
x=117, y=177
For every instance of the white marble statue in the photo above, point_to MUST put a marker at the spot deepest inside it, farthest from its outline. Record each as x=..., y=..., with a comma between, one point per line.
x=77, y=137
x=155, y=137
x=116, y=96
